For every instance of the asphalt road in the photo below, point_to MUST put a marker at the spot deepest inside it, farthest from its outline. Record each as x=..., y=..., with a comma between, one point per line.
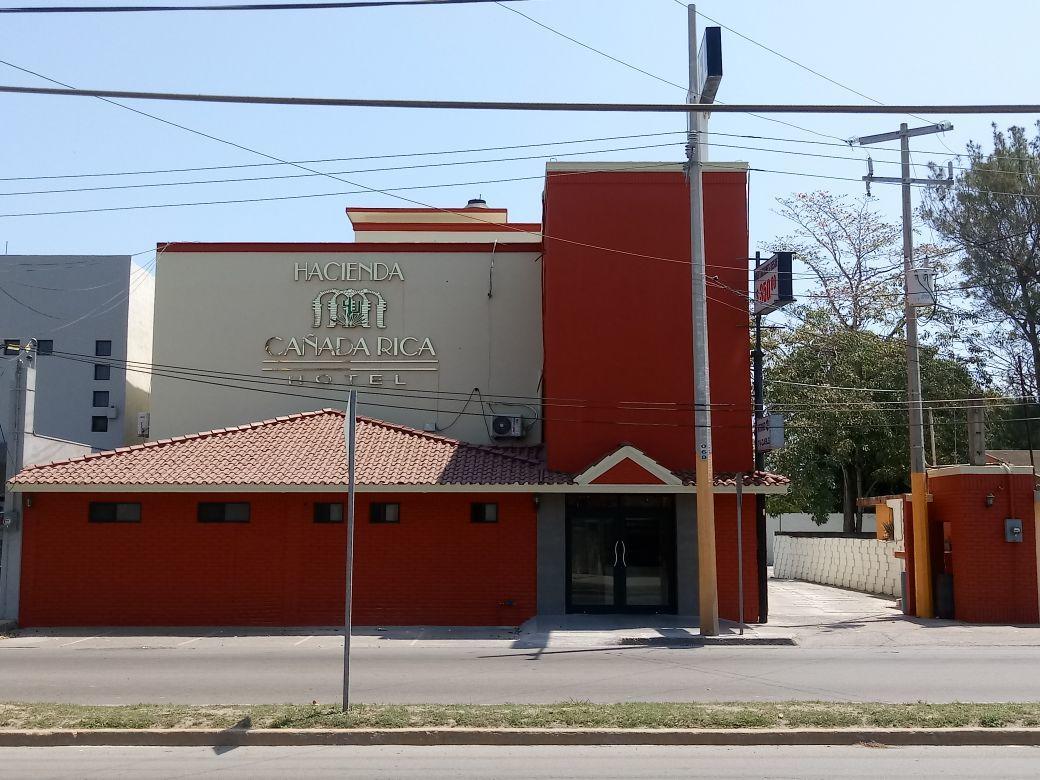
x=301, y=668
x=459, y=763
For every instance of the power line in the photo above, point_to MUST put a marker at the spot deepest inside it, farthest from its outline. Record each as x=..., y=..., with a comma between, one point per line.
x=344, y=159
x=454, y=396
x=503, y=105
x=636, y=68
x=261, y=385
x=593, y=49
x=239, y=180
x=391, y=191
x=109, y=9
x=450, y=163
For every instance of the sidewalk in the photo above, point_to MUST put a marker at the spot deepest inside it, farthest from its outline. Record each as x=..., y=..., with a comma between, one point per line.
x=648, y=630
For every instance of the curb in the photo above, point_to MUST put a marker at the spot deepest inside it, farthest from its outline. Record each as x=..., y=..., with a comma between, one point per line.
x=515, y=737
x=728, y=641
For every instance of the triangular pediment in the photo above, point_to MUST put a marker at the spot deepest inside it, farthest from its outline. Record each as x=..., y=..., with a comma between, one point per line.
x=627, y=465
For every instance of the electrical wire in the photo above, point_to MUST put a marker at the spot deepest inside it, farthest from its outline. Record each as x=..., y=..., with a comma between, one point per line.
x=340, y=173
x=392, y=192
x=304, y=6
x=256, y=386
x=520, y=105
x=278, y=177
x=398, y=155
x=173, y=371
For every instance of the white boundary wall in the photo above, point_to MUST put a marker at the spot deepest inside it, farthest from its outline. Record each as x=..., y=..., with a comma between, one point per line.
x=800, y=521
x=847, y=562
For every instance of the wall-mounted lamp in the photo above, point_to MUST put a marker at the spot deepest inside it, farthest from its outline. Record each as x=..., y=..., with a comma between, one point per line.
x=28, y=501
x=990, y=499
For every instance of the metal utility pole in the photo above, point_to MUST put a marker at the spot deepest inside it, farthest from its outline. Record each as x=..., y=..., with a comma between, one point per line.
x=1025, y=411
x=760, y=465
x=350, y=436
x=918, y=475
x=706, y=566
x=740, y=550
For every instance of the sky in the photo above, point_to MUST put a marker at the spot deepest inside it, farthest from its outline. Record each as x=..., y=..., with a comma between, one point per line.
x=940, y=51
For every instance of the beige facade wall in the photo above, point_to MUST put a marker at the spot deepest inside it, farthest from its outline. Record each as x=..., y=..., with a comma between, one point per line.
x=139, y=330
x=453, y=322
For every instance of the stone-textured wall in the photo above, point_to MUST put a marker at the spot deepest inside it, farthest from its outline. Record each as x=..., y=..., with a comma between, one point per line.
x=848, y=562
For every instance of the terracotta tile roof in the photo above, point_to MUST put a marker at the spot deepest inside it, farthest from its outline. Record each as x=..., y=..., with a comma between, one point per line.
x=751, y=479
x=308, y=449
x=301, y=449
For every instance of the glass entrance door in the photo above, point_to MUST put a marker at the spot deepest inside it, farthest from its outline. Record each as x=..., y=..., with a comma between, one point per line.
x=621, y=554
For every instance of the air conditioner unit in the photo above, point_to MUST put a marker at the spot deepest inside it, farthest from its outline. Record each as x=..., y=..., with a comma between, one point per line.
x=112, y=412
x=509, y=426
x=144, y=421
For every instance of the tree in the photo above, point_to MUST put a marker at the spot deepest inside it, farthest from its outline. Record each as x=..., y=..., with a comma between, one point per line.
x=853, y=255
x=842, y=393
x=992, y=213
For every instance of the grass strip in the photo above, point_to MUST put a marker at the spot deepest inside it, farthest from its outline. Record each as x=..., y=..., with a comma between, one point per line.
x=570, y=714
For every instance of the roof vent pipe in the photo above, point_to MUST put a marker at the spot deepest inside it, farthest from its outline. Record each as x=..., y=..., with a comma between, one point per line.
x=477, y=203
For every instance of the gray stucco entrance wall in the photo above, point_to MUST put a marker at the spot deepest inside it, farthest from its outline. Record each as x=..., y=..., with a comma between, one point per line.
x=552, y=551
x=686, y=554
x=552, y=554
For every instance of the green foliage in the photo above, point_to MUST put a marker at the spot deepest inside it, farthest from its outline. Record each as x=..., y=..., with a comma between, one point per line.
x=842, y=443
x=992, y=213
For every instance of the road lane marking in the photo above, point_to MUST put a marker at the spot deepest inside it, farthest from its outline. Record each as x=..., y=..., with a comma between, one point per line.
x=84, y=639
x=196, y=639
x=297, y=644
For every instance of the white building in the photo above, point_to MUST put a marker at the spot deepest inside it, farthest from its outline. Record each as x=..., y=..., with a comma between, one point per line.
x=89, y=315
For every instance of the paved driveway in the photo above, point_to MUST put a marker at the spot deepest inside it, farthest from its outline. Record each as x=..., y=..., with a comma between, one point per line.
x=825, y=616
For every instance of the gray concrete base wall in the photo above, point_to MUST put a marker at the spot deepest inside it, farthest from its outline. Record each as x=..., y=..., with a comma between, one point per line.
x=552, y=554
x=686, y=554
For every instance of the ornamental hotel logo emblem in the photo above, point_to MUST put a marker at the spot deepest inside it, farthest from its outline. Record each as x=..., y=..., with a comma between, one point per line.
x=363, y=357
x=350, y=308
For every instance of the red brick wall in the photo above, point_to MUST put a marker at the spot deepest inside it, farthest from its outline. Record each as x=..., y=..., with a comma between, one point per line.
x=726, y=557
x=994, y=581
x=435, y=568
x=626, y=472
x=617, y=327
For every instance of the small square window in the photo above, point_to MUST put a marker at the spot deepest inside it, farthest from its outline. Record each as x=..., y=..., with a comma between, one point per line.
x=100, y=398
x=328, y=513
x=385, y=513
x=223, y=512
x=98, y=424
x=102, y=373
x=110, y=512
x=12, y=346
x=44, y=346
x=483, y=513
x=103, y=348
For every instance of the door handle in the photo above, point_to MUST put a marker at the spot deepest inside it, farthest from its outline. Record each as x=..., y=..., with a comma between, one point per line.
x=624, y=555
x=615, y=552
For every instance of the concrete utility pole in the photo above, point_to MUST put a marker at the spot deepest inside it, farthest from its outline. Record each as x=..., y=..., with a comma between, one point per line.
x=350, y=436
x=708, y=589
x=22, y=410
x=918, y=475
